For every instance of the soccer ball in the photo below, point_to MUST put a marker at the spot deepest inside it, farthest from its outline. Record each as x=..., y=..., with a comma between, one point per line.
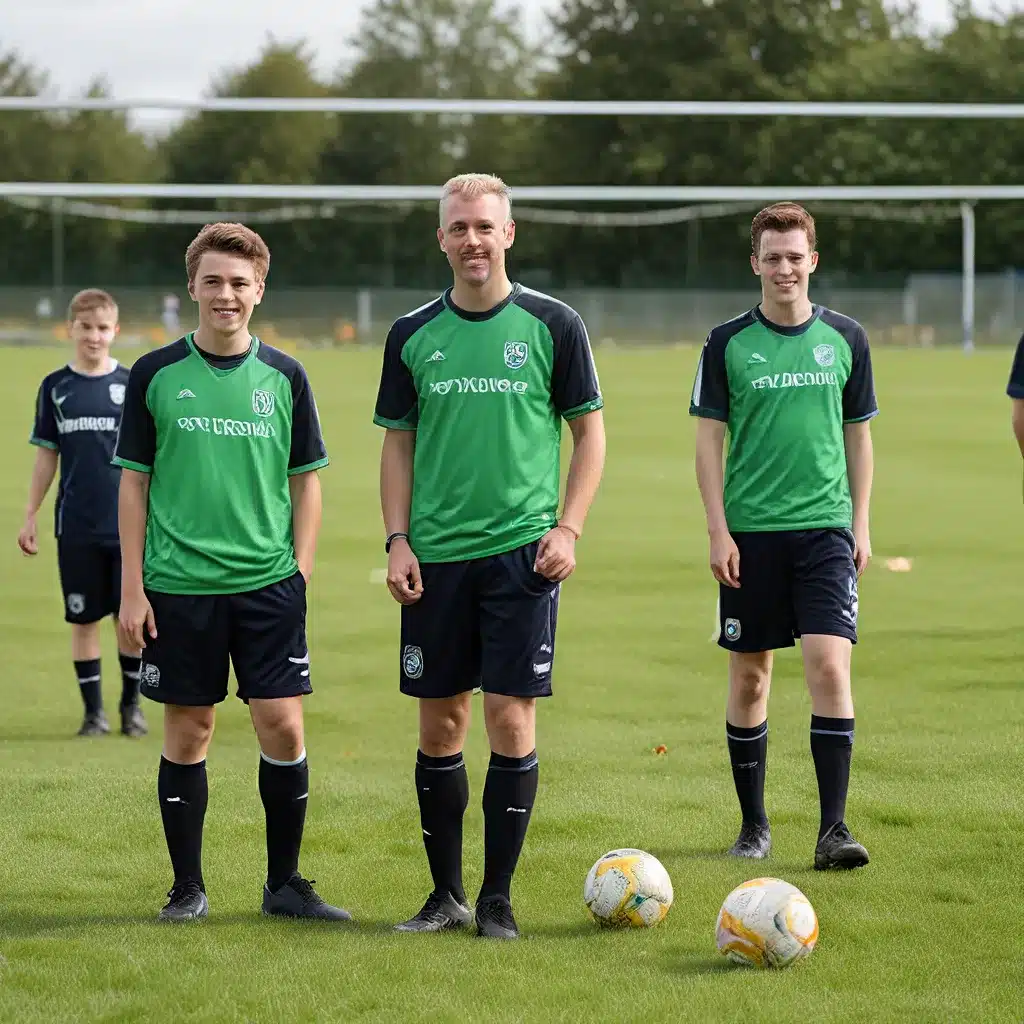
x=766, y=922
x=628, y=888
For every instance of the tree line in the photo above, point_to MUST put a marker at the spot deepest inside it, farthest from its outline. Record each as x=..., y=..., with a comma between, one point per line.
x=836, y=50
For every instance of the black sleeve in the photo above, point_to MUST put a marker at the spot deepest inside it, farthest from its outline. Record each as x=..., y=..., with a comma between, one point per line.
x=308, y=450
x=397, y=401
x=44, y=430
x=575, y=389
x=136, y=437
x=859, y=392
x=710, y=397
x=1015, y=389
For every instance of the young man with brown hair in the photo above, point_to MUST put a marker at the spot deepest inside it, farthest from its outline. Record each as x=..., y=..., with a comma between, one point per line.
x=473, y=391
x=220, y=508
x=787, y=519
x=78, y=411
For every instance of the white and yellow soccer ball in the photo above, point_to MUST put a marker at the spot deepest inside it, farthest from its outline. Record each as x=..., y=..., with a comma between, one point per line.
x=628, y=888
x=766, y=922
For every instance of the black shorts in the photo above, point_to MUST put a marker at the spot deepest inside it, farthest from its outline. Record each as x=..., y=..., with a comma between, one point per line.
x=262, y=632
x=90, y=578
x=488, y=622
x=791, y=583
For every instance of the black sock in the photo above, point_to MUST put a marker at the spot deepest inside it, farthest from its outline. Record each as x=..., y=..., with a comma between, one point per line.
x=284, y=789
x=508, y=800
x=831, y=748
x=130, y=666
x=442, y=788
x=88, y=673
x=183, y=794
x=748, y=750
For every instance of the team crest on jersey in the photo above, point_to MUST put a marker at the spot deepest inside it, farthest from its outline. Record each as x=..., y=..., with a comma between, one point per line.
x=824, y=355
x=732, y=630
x=516, y=354
x=263, y=402
x=412, y=662
x=117, y=394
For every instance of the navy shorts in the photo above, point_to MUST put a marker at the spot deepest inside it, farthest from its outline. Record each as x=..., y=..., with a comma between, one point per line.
x=262, y=633
x=791, y=583
x=90, y=578
x=487, y=622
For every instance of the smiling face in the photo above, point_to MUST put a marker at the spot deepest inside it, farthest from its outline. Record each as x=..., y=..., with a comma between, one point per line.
x=227, y=289
x=474, y=234
x=93, y=332
x=784, y=262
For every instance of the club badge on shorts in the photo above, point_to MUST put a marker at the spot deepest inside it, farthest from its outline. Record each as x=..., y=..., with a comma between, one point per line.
x=732, y=630
x=412, y=662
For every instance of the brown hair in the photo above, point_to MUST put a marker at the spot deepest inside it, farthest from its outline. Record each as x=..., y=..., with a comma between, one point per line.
x=89, y=299
x=236, y=239
x=781, y=217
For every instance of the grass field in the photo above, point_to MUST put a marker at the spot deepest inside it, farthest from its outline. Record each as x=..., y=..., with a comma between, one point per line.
x=930, y=931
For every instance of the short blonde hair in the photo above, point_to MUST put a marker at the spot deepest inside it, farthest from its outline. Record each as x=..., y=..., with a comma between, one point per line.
x=472, y=186
x=89, y=300
x=234, y=239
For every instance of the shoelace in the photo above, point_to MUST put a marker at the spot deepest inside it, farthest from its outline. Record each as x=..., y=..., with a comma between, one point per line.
x=183, y=891
x=304, y=887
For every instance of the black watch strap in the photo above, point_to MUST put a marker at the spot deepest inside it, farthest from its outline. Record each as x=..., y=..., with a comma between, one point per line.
x=393, y=537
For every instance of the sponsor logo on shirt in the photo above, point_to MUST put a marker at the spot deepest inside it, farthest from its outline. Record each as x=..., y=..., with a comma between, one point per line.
x=796, y=380
x=478, y=386
x=226, y=428
x=65, y=426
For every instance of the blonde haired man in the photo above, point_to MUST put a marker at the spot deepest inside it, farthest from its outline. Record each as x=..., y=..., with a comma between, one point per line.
x=473, y=391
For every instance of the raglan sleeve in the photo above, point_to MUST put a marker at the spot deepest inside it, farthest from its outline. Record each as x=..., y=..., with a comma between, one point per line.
x=308, y=450
x=44, y=429
x=859, y=401
x=575, y=387
x=710, y=396
x=1015, y=387
x=136, y=436
x=397, y=405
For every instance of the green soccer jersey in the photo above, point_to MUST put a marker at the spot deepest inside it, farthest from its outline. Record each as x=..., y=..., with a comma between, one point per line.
x=220, y=437
x=485, y=393
x=785, y=393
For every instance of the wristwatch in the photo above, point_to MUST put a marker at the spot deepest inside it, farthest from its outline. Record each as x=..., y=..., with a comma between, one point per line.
x=393, y=537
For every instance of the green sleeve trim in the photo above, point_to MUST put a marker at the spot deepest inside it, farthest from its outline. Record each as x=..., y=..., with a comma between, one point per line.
x=581, y=410
x=309, y=467
x=126, y=464
x=394, y=424
x=44, y=444
x=709, y=414
x=862, y=419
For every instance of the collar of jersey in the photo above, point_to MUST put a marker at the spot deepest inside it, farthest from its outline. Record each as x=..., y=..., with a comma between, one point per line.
x=487, y=314
x=95, y=376
x=789, y=331
x=191, y=342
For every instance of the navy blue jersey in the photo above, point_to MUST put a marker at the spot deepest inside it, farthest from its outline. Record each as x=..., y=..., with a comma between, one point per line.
x=1015, y=388
x=79, y=416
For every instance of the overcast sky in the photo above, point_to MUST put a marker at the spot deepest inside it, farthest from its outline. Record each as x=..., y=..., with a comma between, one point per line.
x=172, y=48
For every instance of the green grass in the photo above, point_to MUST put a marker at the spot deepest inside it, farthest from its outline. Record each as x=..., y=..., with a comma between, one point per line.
x=930, y=931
